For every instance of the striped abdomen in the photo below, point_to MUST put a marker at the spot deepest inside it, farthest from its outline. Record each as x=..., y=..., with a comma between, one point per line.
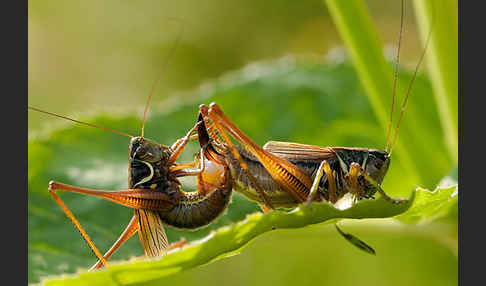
x=195, y=210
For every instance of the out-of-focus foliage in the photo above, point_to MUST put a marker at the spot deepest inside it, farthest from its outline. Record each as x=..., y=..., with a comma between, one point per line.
x=86, y=55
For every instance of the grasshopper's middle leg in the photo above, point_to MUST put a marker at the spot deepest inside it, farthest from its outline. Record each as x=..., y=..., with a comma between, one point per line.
x=180, y=144
x=183, y=170
x=324, y=167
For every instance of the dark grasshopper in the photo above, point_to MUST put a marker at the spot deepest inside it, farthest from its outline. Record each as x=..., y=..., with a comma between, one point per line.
x=154, y=190
x=155, y=194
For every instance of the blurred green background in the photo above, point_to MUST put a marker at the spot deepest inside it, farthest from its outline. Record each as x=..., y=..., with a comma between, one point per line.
x=98, y=61
x=86, y=55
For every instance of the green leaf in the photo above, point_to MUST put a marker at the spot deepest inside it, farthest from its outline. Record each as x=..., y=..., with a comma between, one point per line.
x=320, y=104
x=230, y=240
x=431, y=206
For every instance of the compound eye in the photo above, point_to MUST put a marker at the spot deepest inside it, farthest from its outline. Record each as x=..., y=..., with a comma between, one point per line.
x=378, y=164
x=140, y=151
x=145, y=154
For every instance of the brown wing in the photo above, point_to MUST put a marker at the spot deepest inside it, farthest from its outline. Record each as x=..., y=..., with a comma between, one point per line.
x=151, y=233
x=296, y=151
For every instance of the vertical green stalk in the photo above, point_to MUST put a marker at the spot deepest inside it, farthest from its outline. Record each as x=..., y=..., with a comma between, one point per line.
x=442, y=61
x=361, y=37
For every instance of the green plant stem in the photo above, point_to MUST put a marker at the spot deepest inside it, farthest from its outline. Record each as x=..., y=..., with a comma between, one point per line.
x=442, y=61
x=361, y=37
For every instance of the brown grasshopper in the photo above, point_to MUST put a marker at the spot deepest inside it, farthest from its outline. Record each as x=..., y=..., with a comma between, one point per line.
x=283, y=174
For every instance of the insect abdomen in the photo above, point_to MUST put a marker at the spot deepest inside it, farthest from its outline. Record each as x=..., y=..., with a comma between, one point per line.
x=196, y=210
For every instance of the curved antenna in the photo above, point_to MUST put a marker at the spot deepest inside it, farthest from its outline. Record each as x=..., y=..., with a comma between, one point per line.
x=395, y=79
x=164, y=66
x=404, y=105
x=81, y=122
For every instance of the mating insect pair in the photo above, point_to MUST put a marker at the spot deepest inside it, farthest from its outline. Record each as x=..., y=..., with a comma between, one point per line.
x=277, y=175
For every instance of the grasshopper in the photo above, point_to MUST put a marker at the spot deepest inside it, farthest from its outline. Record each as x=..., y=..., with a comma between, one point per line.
x=156, y=197
x=154, y=191
x=285, y=174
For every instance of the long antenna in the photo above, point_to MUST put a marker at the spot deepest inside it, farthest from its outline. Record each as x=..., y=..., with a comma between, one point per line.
x=81, y=122
x=164, y=66
x=395, y=79
x=404, y=105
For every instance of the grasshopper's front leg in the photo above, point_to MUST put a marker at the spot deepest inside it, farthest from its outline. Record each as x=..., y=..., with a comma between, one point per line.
x=180, y=144
x=356, y=170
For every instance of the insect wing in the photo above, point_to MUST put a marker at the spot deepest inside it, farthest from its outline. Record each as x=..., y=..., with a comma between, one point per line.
x=151, y=233
x=297, y=152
